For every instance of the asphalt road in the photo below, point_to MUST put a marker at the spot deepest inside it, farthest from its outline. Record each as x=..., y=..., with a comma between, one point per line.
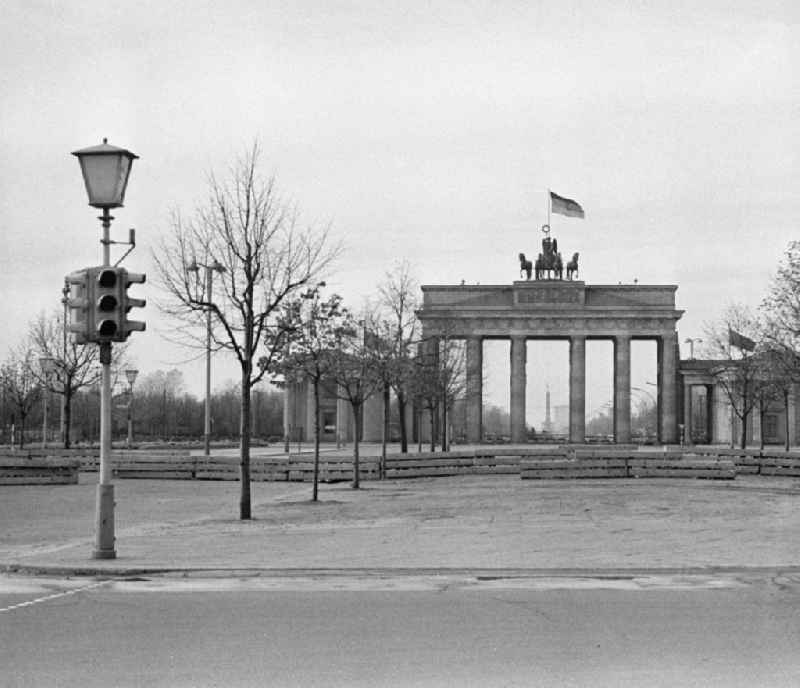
x=386, y=630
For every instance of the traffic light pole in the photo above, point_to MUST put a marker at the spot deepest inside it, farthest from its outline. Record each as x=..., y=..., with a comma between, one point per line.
x=105, y=546
x=207, y=424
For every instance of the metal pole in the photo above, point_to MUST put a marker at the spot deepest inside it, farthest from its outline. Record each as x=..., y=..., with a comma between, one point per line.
x=63, y=421
x=207, y=430
x=130, y=419
x=44, y=413
x=104, y=513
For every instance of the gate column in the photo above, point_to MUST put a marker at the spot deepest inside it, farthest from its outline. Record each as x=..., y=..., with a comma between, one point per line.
x=518, y=356
x=688, y=412
x=622, y=388
x=667, y=388
x=577, y=388
x=474, y=389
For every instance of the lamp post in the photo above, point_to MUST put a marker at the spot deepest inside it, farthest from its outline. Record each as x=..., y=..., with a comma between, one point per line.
x=105, y=171
x=130, y=374
x=210, y=269
x=691, y=342
x=63, y=423
x=47, y=366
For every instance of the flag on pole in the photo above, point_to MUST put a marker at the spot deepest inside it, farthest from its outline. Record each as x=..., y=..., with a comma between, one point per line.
x=565, y=206
x=740, y=341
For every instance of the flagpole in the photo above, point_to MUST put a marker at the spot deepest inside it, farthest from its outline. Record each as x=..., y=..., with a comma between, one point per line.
x=549, y=205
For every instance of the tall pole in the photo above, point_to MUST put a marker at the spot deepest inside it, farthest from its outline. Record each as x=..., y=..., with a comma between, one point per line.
x=44, y=412
x=104, y=514
x=207, y=429
x=63, y=421
x=130, y=418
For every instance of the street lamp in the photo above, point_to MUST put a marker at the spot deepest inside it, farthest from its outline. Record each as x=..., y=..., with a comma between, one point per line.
x=130, y=374
x=105, y=171
x=210, y=269
x=691, y=342
x=47, y=365
x=647, y=408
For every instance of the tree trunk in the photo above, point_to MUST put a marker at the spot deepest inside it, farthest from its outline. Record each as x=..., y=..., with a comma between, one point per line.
x=244, y=447
x=444, y=442
x=786, y=412
x=419, y=429
x=385, y=434
x=743, y=433
x=316, y=440
x=761, y=413
x=67, y=402
x=401, y=407
x=356, y=440
x=434, y=413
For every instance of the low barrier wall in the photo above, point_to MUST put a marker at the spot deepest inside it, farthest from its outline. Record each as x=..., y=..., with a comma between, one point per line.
x=562, y=463
x=25, y=469
x=756, y=461
x=531, y=462
x=177, y=465
x=472, y=462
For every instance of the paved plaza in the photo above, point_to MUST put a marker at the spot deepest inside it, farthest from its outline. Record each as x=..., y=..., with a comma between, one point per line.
x=471, y=523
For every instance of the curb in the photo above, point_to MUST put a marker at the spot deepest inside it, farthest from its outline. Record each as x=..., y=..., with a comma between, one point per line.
x=478, y=573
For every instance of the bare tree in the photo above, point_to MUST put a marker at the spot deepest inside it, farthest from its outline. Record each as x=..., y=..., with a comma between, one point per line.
x=20, y=386
x=781, y=310
x=439, y=381
x=353, y=375
x=782, y=304
x=246, y=229
x=76, y=365
x=313, y=326
x=399, y=300
x=157, y=393
x=733, y=341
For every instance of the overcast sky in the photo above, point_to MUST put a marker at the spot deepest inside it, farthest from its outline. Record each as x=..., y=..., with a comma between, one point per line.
x=422, y=130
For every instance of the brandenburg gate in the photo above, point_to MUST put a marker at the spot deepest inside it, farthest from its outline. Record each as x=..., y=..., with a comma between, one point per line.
x=560, y=309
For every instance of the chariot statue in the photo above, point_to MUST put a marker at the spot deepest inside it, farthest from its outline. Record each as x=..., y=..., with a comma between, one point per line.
x=549, y=264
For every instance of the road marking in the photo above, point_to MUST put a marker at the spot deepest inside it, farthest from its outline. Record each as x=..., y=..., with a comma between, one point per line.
x=54, y=596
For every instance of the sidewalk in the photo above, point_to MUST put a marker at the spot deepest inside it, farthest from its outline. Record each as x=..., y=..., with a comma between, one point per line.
x=474, y=523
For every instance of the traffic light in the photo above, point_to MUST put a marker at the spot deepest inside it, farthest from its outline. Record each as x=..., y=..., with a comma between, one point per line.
x=129, y=302
x=99, y=304
x=106, y=283
x=80, y=315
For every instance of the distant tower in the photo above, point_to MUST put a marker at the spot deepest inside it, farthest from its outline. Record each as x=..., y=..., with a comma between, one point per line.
x=547, y=426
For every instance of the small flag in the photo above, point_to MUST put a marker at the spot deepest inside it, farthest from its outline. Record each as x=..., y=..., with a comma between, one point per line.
x=565, y=206
x=740, y=341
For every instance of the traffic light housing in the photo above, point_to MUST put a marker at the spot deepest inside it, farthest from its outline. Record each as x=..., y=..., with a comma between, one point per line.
x=78, y=301
x=99, y=304
x=106, y=283
x=128, y=302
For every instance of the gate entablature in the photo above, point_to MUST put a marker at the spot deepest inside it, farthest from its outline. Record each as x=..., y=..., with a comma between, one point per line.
x=549, y=308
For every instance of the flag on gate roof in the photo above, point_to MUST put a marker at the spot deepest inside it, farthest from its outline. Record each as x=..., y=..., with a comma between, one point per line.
x=740, y=341
x=565, y=206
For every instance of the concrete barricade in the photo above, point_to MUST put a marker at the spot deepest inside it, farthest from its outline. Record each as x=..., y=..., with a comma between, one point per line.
x=566, y=462
x=25, y=469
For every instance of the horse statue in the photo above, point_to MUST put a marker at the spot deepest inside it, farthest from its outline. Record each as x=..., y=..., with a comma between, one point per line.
x=525, y=266
x=572, y=266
